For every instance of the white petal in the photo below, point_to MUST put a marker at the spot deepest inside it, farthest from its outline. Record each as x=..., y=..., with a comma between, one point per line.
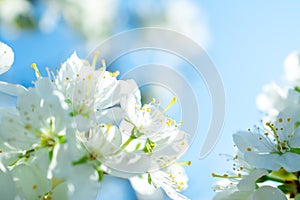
x=248, y=182
x=83, y=182
x=224, y=195
x=12, y=89
x=7, y=100
x=268, y=193
x=6, y=57
x=30, y=182
x=60, y=192
x=272, y=99
x=290, y=161
x=295, y=140
x=292, y=68
x=266, y=161
x=110, y=116
x=144, y=190
x=7, y=186
x=257, y=143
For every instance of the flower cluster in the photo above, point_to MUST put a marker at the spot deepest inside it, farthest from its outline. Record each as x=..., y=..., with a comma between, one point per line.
x=181, y=15
x=267, y=164
x=78, y=124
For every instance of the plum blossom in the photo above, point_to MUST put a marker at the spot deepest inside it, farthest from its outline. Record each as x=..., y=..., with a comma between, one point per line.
x=6, y=57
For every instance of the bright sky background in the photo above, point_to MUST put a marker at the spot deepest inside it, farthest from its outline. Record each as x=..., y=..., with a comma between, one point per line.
x=249, y=42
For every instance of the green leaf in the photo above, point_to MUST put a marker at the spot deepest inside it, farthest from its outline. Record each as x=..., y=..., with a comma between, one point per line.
x=285, y=189
x=283, y=175
x=25, y=21
x=297, y=197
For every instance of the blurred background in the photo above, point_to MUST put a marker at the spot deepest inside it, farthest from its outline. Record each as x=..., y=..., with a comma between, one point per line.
x=248, y=43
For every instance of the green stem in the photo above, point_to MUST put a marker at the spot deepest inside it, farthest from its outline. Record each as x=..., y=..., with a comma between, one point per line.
x=130, y=139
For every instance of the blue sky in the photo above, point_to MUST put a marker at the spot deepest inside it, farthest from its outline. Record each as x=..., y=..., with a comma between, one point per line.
x=249, y=42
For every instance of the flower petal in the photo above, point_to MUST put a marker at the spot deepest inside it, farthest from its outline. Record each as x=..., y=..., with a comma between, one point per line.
x=247, y=141
x=145, y=191
x=268, y=193
x=248, y=182
x=12, y=89
x=6, y=57
x=265, y=161
x=290, y=161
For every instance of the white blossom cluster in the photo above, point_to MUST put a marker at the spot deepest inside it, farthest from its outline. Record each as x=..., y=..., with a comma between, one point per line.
x=267, y=164
x=96, y=20
x=72, y=127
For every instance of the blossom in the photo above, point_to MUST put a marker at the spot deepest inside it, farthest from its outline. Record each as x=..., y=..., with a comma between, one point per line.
x=241, y=183
x=150, y=139
x=264, y=192
x=272, y=100
x=70, y=128
x=6, y=57
x=102, y=141
x=16, y=15
x=273, y=147
x=292, y=68
x=172, y=180
x=190, y=21
x=38, y=120
x=92, y=94
x=148, y=121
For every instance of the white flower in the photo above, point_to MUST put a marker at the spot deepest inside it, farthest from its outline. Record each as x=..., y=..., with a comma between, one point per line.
x=150, y=139
x=39, y=119
x=190, y=20
x=103, y=141
x=13, y=12
x=144, y=190
x=92, y=94
x=7, y=185
x=264, y=192
x=272, y=100
x=292, y=68
x=75, y=168
x=6, y=57
x=245, y=188
x=273, y=147
x=148, y=121
x=172, y=180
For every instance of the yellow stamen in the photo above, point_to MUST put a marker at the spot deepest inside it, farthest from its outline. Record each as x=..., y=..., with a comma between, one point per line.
x=114, y=74
x=37, y=72
x=95, y=58
x=153, y=100
x=170, y=104
x=108, y=127
x=187, y=163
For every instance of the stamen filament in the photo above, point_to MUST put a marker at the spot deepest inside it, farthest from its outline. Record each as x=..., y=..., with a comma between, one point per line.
x=170, y=104
x=37, y=72
x=95, y=58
